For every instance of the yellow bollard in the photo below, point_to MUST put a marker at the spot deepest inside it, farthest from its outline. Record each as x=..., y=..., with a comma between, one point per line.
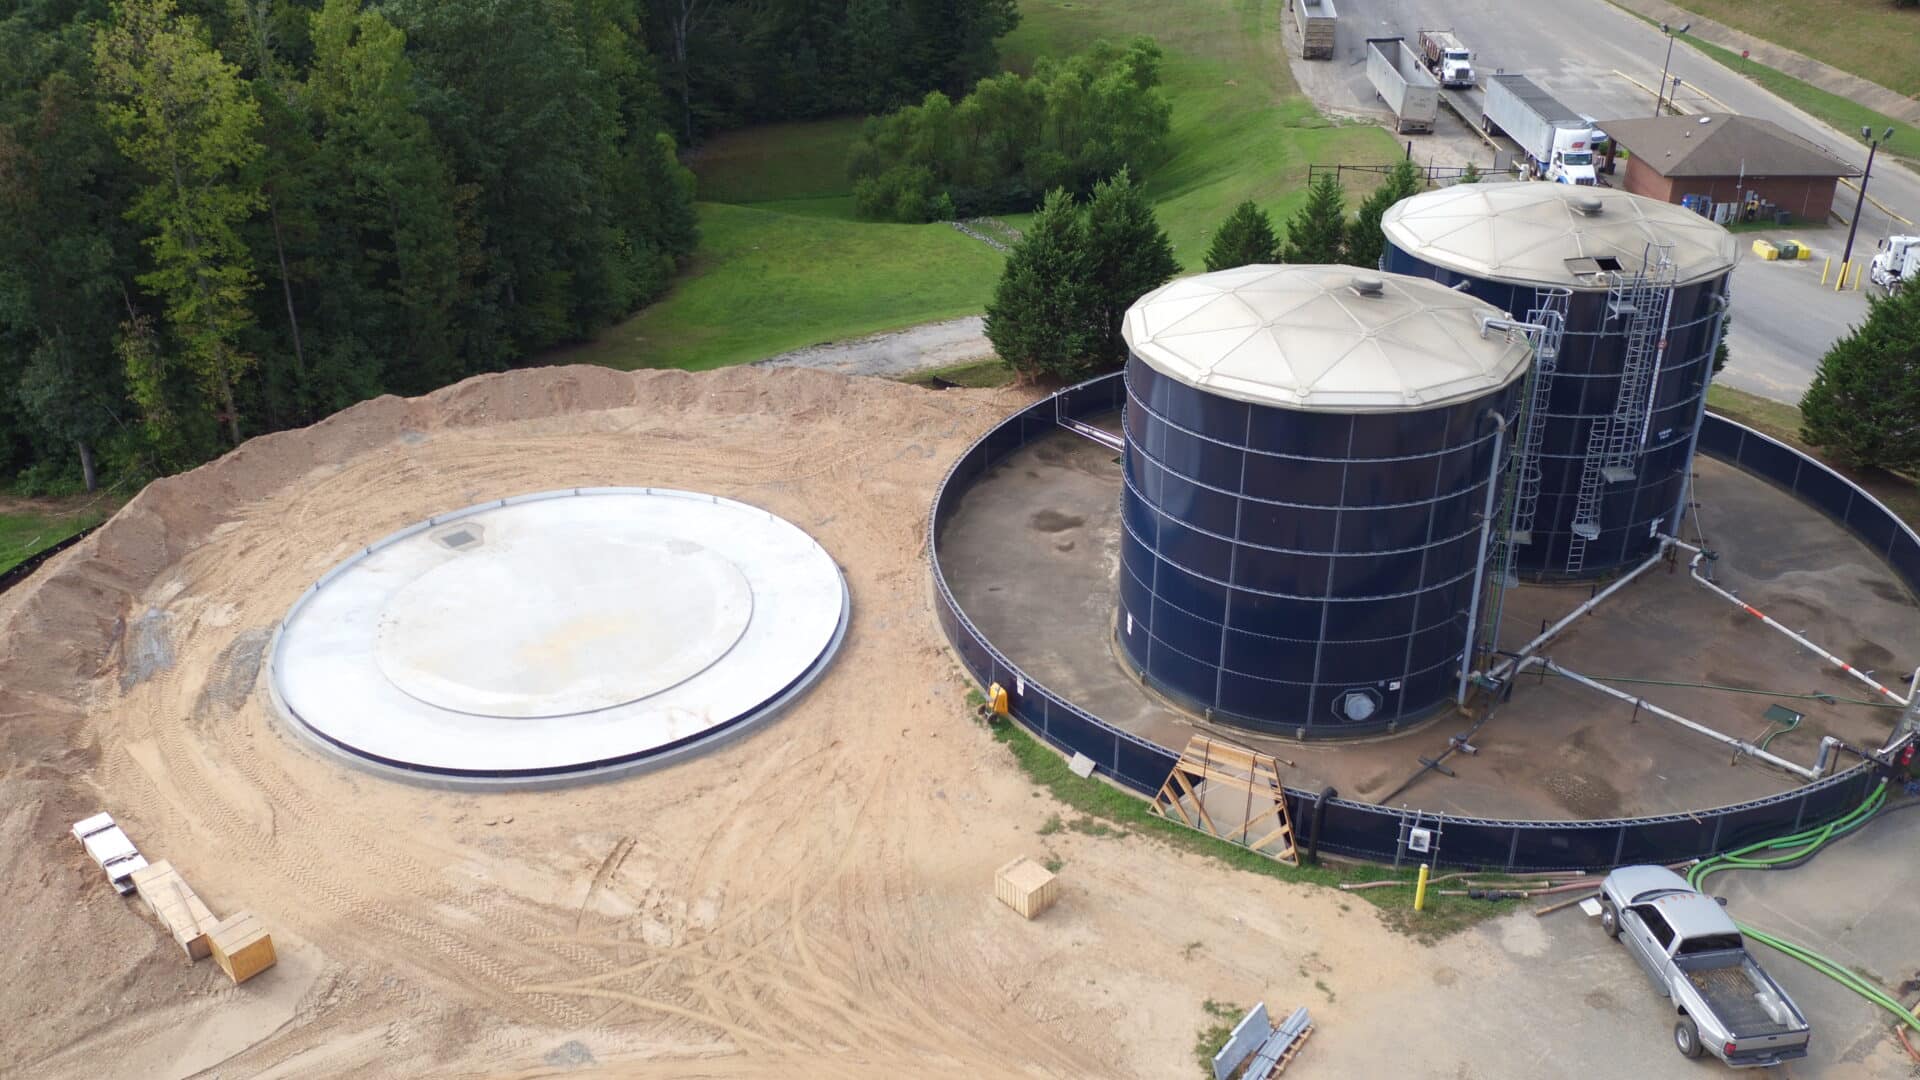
x=1842, y=279
x=1420, y=888
x=1824, y=268
x=1857, y=267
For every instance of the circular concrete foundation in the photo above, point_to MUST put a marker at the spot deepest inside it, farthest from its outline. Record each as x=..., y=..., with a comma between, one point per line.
x=563, y=634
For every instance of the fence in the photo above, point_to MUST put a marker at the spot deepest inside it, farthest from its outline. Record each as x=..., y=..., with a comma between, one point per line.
x=1371, y=176
x=1364, y=830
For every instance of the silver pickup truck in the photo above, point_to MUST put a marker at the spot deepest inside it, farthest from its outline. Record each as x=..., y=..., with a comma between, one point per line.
x=1694, y=953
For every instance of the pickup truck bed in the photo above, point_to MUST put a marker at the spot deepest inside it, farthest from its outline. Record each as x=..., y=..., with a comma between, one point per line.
x=1737, y=998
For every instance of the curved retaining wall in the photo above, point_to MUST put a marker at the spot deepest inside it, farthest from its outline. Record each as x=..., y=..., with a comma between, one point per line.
x=1364, y=830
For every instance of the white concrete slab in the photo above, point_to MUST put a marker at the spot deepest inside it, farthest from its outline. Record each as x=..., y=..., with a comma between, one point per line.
x=556, y=632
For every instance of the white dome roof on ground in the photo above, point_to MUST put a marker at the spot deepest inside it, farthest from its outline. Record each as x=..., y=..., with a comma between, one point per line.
x=1553, y=234
x=1323, y=339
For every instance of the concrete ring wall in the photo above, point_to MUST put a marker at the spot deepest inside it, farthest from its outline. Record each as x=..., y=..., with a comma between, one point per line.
x=1367, y=831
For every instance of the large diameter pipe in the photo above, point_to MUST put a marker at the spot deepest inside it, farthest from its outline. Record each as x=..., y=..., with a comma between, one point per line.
x=1480, y=565
x=1511, y=665
x=1741, y=745
x=1693, y=568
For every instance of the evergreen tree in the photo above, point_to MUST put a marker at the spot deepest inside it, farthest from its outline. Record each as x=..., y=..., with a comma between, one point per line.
x=183, y=114
x=1040, y=319
x=1470, y=176
x=1864, y=404
x=1128, y=255
x=1244, y=239
x=1364, y=241
x=1315, y=231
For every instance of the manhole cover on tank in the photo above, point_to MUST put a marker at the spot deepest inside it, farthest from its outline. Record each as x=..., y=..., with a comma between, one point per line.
x=559, y=634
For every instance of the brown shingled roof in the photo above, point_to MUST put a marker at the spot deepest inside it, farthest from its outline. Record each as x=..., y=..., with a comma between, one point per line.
x=1722, y=144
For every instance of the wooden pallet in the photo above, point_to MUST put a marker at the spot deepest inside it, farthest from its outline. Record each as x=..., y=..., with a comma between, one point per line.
x=1216, y=782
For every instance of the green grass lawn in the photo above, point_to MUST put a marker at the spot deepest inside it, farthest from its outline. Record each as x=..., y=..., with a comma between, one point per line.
x=783, y=263
x=1241, y=128
x=1870, y=38
x=25, y=534
x=1842, y=113
x=766, y=281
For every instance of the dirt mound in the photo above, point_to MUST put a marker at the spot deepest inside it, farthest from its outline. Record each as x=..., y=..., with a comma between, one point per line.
x=814, y=896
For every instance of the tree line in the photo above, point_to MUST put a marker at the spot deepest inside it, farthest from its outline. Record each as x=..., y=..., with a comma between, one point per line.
x=1070, y=125
x=231, y=216
x=1057, y=309
x=729, y=63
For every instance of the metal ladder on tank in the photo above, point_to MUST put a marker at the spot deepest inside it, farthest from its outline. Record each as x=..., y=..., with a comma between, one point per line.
x=1644, y=300
x=1522, y=497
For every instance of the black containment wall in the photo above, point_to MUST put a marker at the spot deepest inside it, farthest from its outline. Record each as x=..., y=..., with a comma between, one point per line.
x=1305, y=573
x=1364, y=830
x=1586, y=388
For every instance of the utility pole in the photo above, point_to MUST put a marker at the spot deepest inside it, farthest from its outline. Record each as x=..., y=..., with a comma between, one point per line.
x=1873, y=147
x=1671, y=33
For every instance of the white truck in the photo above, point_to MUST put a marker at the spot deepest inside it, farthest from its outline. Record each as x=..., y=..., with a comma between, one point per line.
x=1447, y=58
x=1401, y=82
x=1559, y=143
x=1897, y=264
x=1723, y=1002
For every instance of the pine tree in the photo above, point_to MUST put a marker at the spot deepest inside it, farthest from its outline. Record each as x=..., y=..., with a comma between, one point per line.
x=1244, y=239
x=1128, y=255
x=184, y=115
x=1315, y=231
x=1364, y=241
x=1471, y=175
x=1864, y=404
x=1040, y=319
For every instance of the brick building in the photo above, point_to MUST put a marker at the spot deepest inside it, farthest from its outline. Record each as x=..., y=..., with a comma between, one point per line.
x=1726, y=158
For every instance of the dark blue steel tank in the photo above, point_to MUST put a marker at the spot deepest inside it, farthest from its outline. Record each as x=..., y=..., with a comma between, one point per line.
x=1307, y=465
x=1507, y=244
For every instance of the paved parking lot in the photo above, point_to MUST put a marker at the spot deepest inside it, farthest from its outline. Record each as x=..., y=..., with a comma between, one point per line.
x=1537, y=997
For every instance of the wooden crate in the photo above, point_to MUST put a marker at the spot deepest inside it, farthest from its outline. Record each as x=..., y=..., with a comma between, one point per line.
x=242, y=947
x=1026, y=887
x=179, y=910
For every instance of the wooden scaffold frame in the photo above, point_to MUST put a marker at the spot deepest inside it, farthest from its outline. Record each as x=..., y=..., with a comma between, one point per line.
x=1209, y=768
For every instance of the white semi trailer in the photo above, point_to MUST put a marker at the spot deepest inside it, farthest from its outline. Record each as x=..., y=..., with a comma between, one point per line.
x=1558, y=142
x=1403, y=83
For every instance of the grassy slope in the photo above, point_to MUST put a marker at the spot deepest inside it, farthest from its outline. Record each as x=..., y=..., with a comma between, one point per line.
x=1844, y=114
x=776, y=210
x=1241, y=129
x=1782, y=421
x=1860, y=36
x=24, y=533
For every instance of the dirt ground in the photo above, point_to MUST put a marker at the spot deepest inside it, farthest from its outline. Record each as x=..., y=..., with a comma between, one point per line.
x=814, y=898
x=896, y=352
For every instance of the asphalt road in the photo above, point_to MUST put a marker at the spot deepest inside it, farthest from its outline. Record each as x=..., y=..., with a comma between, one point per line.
x=1587, y=53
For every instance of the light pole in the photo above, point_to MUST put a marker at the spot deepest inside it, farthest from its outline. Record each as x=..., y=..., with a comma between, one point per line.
x=1671, y=33
x=1873, y=146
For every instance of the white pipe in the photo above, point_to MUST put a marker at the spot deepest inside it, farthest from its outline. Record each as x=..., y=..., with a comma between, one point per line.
x=1480, y=566
x=1814, y=773
x=1694, y=569
x=1511, y=665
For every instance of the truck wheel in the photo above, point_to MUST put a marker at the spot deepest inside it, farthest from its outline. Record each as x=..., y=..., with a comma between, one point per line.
x=1686, y=1038
x=1609, y=919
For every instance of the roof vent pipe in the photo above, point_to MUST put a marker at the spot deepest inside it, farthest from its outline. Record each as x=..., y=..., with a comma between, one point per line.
x=1368, y=285
x=1590, y=205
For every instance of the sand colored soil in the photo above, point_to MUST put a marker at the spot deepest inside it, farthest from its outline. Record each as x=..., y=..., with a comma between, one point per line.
x=811, y=899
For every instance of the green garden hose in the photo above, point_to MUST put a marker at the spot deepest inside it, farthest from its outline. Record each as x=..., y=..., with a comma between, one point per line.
x=1786, y=851
x=1779, y=731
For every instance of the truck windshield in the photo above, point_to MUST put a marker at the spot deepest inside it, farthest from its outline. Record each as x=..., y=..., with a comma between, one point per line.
x=1457, y=54
x=1577, y=159
x=1707, y=943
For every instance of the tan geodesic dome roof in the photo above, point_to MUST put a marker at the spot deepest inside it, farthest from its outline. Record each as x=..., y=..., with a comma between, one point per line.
x=1324, y=339
x=1539, y=233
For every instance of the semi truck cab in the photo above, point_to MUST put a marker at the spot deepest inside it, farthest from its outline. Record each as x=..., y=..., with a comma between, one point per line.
x=1573, y=161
